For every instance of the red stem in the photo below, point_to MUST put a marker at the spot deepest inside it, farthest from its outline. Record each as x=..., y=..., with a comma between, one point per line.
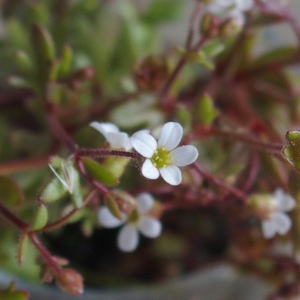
x=96, y=152
x=93, y=182
x=44, y=253
x=20, y=224
x=218, y=182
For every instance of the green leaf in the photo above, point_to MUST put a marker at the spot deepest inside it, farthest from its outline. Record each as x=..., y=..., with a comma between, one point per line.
x=65, y=62
x=206, y=112
x=22, y=247
x=43, y=45
x=23, y=62
x=116, y=165
x=207, y=63
x=184, y=116
x=275, y=55
x=163, y=11
x=112, y=205
x=10, y=192
x=213, y=48
x=40, y=218
x=98, y=172
x=11, y=294
x=53, y=191
x=76, y=194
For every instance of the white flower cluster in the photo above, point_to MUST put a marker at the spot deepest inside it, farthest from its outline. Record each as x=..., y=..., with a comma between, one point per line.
x=230, y=9
x=111, y=132
x=162, y=156
x=138, y=221
x=278, y=221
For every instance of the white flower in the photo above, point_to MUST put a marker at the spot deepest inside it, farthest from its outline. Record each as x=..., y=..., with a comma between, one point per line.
x=138, y=221
x=113, y=135
x=278, y=221
x=230, y=9
x=161, y=156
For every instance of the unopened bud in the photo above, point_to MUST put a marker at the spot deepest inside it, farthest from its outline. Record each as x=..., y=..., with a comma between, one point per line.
x=151, y=73
x=263, y=205
x=209, y=26
x=70, y=282
x=125, y=201
x=230, y=27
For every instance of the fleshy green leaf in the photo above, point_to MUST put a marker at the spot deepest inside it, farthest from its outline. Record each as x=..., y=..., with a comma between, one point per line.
x=42, y=44
x=213, y=48
x=206, y=111
x=40, y=218
x=112, y=205
x=98, y=172
x=65, y=62
x=22, y=247
x=53, y=191
x=10, y=192
x=163, y=11
x=76, y=194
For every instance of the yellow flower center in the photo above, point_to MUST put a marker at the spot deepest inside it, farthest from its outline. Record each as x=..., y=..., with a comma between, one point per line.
x=161, y=158
x=134, y=217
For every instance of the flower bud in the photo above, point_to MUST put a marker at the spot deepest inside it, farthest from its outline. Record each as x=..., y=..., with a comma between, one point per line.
x=209, y=26
x=125, y=201
x=151, y=73
x=263, y=205
x=293, y=137
x=70, y=282
x=230, y=27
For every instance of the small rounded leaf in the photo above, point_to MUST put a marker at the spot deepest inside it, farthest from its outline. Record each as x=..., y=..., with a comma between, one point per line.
x=40, y=218
x=98, y=172
x=53, y=191
x=22, y=247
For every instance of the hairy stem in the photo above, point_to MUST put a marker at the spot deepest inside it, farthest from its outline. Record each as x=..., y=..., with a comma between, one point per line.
x=66, y=218
x=218, y=182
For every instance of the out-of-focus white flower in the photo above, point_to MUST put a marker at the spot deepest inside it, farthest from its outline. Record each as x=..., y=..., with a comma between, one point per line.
x=137, y=221
x=230, y=9
x=278, y=221
x=111, y=132
x=161, y=156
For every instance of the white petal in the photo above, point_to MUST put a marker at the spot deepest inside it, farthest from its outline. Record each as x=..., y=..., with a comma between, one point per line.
x=144, y=143
x=118, y=140
x=171, y=174
x=282, y=222
x=237, y=16
x=170, y=136
x=268, y=229
x=106, y=219
x=184, y=155
x=144, y=202
x=104, y=128
x=149, y=227
x=284, y=201
x=245, y=4
x=128, y=238
x=149, y=171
